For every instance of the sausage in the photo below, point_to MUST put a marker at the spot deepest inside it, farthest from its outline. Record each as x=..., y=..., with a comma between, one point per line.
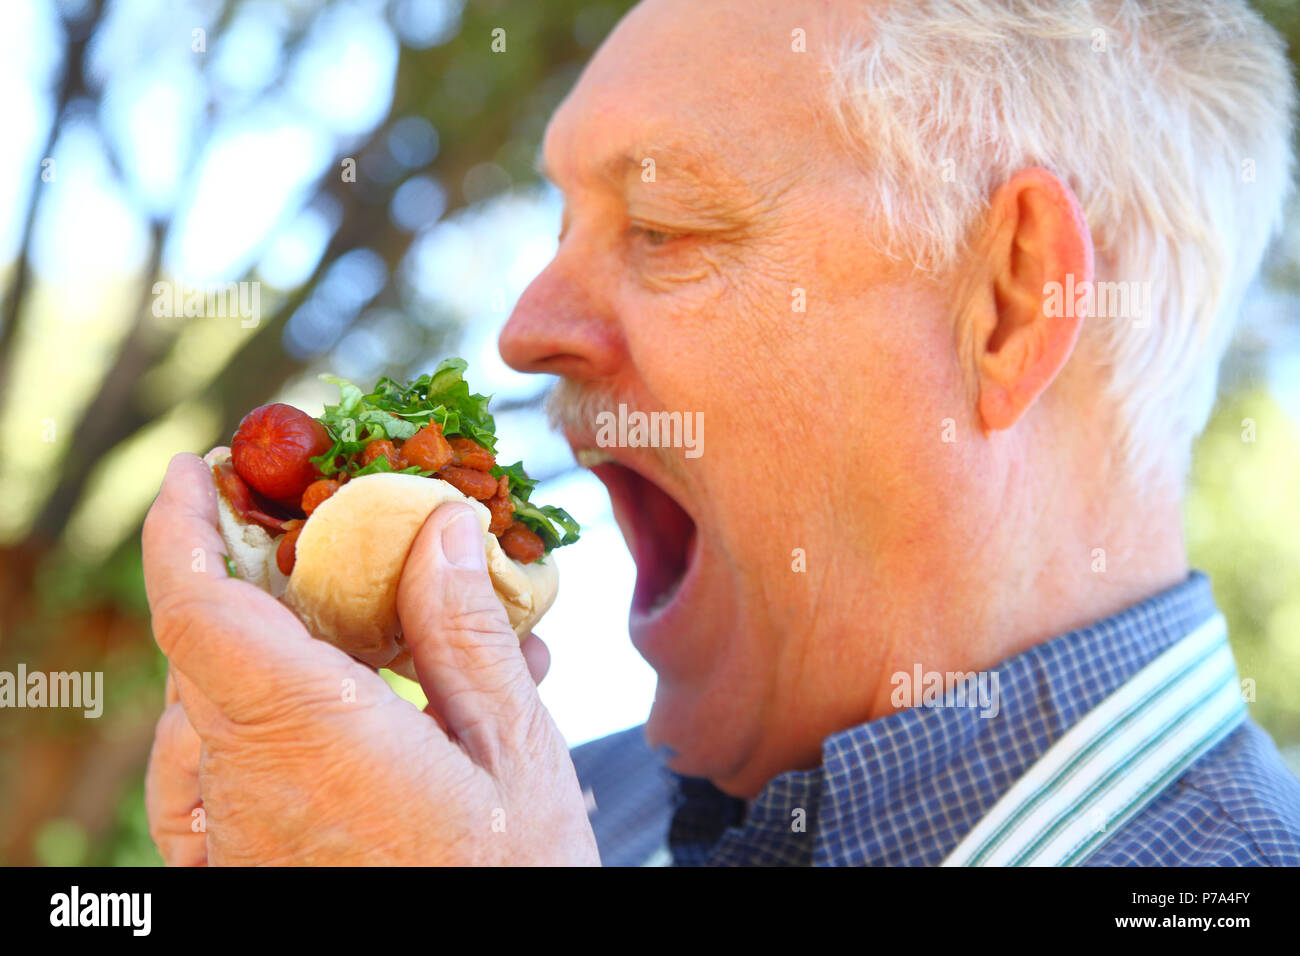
x=272, y=449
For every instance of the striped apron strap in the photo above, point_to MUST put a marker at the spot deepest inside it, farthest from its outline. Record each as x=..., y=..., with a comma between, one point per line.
x=1116, y=760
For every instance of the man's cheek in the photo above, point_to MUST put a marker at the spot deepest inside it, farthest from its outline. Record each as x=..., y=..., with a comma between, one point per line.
x=690, y=298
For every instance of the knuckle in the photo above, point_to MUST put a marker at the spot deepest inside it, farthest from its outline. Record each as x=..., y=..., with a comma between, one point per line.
x=165, y=736
x=159, y=833
x=476, y=644
x=174, y=738
x=479, y=620
x=177, y=616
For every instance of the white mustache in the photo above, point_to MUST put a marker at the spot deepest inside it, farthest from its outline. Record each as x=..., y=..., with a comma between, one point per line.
x=573, y=407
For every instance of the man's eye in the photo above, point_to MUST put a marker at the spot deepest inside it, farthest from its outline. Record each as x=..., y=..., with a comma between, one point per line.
x=651, y=237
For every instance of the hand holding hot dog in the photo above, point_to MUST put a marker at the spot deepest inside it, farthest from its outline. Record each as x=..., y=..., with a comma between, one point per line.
x=321, y=512
x=307, y=756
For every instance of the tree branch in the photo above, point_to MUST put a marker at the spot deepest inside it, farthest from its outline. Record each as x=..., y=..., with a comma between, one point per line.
x=71, y=85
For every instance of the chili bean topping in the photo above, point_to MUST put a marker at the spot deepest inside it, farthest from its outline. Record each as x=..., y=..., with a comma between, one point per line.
x=299, y=490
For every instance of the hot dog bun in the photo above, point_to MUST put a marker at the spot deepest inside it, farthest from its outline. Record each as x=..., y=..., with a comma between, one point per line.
x=350, y=555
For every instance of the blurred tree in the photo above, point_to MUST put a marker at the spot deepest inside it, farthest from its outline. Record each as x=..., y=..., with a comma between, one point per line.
x=459, y=115
x=510, y=96
x=1238, y=491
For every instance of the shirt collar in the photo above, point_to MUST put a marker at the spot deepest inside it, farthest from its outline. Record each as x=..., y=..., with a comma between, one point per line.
x=903, y=789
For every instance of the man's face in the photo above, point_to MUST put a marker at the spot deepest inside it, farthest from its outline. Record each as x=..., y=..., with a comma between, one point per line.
x=774, y=569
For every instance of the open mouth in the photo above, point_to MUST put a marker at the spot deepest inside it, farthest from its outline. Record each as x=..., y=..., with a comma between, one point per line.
x=659, y=533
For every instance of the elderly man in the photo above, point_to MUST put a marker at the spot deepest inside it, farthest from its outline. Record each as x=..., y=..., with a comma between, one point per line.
x=949, y=284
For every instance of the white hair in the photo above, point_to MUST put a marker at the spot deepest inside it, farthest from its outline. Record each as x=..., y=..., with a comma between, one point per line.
x=1171, y=121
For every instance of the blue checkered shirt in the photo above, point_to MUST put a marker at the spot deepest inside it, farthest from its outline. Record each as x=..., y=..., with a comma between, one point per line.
x=904, y=789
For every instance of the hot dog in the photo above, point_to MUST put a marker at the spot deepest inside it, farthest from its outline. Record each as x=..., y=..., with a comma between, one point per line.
x=321, y=512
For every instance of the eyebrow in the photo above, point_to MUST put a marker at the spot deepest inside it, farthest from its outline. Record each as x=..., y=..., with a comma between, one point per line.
x=699, y=179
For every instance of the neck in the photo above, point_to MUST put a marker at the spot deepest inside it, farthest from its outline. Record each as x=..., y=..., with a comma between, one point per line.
x=1029, y=551
x=1045, y=563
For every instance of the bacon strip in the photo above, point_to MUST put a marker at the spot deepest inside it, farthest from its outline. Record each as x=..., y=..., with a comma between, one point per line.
x=240, y=497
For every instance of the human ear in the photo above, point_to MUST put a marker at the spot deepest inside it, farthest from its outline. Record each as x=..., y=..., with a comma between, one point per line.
x=1036, y=236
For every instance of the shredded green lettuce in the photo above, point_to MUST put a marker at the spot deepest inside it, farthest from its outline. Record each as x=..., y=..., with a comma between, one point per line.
x=393, y=410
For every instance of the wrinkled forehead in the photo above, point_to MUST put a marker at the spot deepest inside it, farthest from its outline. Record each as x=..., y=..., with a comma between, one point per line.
x=713, y=88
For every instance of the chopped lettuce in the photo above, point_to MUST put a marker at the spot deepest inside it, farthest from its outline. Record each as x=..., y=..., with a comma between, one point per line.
x=395, y=411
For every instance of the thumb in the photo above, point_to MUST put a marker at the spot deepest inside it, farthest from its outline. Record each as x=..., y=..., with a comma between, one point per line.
x=465, y=652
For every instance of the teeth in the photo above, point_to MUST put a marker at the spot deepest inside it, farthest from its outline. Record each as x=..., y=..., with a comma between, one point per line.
x=591, y=457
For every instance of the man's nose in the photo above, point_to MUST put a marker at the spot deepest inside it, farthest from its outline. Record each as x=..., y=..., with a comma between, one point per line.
x=563, y=325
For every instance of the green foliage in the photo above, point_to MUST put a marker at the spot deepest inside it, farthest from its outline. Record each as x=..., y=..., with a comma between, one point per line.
x=396, y=410
x=1243, y=529
x=130, y=844
x=61, y=842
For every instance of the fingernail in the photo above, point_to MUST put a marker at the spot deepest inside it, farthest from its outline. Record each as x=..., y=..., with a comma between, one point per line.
x=462, y=542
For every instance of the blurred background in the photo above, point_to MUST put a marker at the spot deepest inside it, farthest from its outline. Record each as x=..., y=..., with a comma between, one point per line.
x=369, y=164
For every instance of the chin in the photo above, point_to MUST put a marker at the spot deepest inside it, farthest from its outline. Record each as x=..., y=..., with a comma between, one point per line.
x=701, y=733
